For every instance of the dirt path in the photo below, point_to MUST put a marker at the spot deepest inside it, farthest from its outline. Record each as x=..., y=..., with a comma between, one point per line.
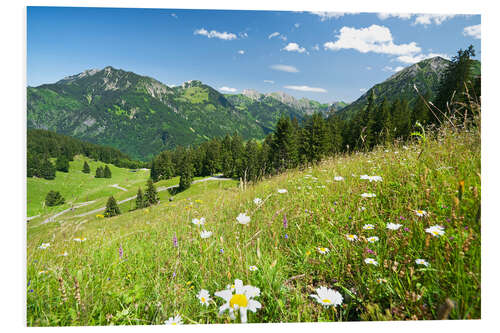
x=118, y=187
x=78, y=205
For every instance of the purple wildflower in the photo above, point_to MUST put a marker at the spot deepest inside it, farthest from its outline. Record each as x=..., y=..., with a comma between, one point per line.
x=120, y=252
x=31, y=290
x=452, y=238
x=350, y=217
x=335, y=202
x=286, y=236
x=173, y=274
x=175, y=240
x=369, y=251
x=407, y=229
x=285, y=222
x=466, y=228
x=448, y=220
x=402, y=218
x=221, y=251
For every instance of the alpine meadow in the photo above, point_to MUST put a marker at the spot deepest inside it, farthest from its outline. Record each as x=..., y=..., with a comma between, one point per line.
x=305, y=167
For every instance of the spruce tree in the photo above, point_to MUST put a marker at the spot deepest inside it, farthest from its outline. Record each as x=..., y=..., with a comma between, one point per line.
x=54, y=198
x=316, y=138
x=47, y=169
x=62, y=164
x=112, y=208
x=106, y=172
x=150, y=196
x=86, y=167
x=186, y=173
x=99, y=172
x=139, y=200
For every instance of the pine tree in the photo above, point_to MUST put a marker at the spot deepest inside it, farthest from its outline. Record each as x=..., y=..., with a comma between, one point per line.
x=54, y=198
x=284, y=146
x=186, y=173
x=99, y=172
x=139, y=200
x=47, y=169
x=62, y=164
x=86, y=167
x=150, y=196
x=316, y=138
x=106, y=172
x=112, y=208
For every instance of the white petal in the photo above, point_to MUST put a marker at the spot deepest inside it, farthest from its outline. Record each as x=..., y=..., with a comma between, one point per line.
x=238, y=285
x=223, y=308
x=251, y=291
x=231, y=313
x=253, y=305
x=225, y=294
x=243, y=315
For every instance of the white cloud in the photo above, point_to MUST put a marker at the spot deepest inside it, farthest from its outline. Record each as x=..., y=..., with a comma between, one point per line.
x=437, y=19
x=473, y=31
x=277, y=34
x=285, y=68
x=241, y=52
x=269, y=81
x=315, y=47
x=375, y=38
x=403, y=16
x=306, y=88
x=215, y=34
x=412, y=59
x=294, y=47
x=329, y=15
x=362, y=90
x=228, y=89
x=392, y=69
x=243, y=35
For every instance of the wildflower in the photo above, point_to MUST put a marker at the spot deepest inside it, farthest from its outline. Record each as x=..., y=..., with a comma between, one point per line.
x=174, y=240
x=323, y=250
x=177, y=320
x=99, y=216
x=252, y=268
x=422, y=262
x=243, y=218
x=308, y=253
x=368, y=227
x=362, y=208
x=282, y=190
x=406, y=229
x=371, y=178
x=369, y=251
x=79, y=239
x=421, y=213
x=198, y=201
x=393, y=226
x=42, y=272
x=198, y=222
x=435, y=230
x=327, y=297
x=380, y=281
x=242, y=299
x=372, y=239
x=371, y=261
x=286, y=236
x=120, y=251
x=44, y=246
x=221, y=251
x=338, y=178
x=257, y=201
x=204, y=297
x=205, y=234
x=368, y=195
x=351, y=237
x=285, y=222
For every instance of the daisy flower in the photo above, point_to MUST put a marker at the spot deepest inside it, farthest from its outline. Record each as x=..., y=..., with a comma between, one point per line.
x=44, y=246
x=362, y=209
x=205, y=234
x=380, y=281
x=42, y=272
x=422, y=262
x=372, y=239
x=351, y=238
x=327, y=297
x=79, y=239
x=257, y=201
x=243, y=218
x=368, y=195
x=393, y=226
x=282, y=190
x=368, y=227
x=204, y=297
x=198, y=222
x=421, y=213
x=253, y=268
x=242, y=300
x=177, y=320
x=338, y=178
x=64, y=254
x=435, y=230
x=371, y=261
x=323, y=250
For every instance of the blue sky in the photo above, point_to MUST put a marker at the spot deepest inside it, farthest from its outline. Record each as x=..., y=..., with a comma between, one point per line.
x=325, y=56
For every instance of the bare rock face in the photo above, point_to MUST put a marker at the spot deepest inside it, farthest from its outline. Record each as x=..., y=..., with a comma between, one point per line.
x=252, y=94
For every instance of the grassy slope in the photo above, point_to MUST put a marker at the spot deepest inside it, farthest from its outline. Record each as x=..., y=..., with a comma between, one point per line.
x=142, y=288
x=76, y=186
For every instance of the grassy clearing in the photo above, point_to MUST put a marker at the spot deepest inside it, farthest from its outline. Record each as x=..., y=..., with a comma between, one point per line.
x=154, y=280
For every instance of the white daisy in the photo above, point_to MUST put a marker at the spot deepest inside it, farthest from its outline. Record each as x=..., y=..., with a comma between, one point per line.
x=368, y=195
x=78, y=239
x=371, y=261
x=362, y=209
x=282, y=190
x=422, y=262
x=177, y=320
x=198, y=222
x=435, y=230
x=368, y=227
x=205, y=234
x=327, y=297
x=393, y=226
x=44, y=246
x=380, y=281
x=243, y=218
x=64, y=254
x=421, y=213
x=257, y=201
x=204, y=297
x=253, y=268
x=323, y=250
x=338, y=178
x=372, y=239
x=242, y=299
x=351, y=238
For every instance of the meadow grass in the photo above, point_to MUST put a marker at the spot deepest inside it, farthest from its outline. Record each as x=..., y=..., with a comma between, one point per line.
x=154, y=280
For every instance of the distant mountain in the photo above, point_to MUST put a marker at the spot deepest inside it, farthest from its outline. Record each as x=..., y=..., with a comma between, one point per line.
x=425, y=75
x=142, y=116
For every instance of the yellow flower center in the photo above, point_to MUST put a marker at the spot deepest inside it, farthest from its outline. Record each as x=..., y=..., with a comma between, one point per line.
x=435, y=232
x=322, y=249
x=203, y=300
x=420, y=212
x=326, y=301
x=238, y=299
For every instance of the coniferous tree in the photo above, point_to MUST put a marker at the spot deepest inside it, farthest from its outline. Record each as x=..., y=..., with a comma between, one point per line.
x=86, y=167
x=47, y=169
x=139, y=200
x=316, y=138
x=112, y=208
x=106, y=172
x=284, y=146
x=150, y=196
x=227, y=157
x=62, y=164
x=54, y=198
x=186, y=173
x=99, y=172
